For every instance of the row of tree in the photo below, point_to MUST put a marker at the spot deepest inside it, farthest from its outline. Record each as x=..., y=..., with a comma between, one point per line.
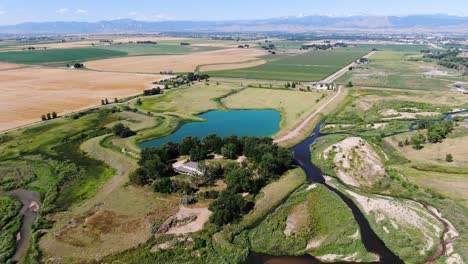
x=106, y=101
x=49, y=116
x=436, y=133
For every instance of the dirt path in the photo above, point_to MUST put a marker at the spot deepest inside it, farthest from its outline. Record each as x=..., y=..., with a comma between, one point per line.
x=296, y=132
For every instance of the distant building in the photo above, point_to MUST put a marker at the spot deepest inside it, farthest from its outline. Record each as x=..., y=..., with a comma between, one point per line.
x=189, y=168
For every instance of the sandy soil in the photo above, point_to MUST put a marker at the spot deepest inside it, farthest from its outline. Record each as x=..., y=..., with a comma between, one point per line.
x=357, y=164
x=231, y=66
x=28, y=93
x=176, y=63
x=407, y=214
x=394, y=114
x=297, y=220
x=202, y=216
x=9, y=66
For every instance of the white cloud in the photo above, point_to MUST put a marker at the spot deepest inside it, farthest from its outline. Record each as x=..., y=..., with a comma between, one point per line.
x=63, y=11
x=81, y=11
x=133, y=13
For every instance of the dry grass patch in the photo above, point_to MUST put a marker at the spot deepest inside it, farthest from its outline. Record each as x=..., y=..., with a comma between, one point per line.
x=28, y=93
x=435, y=153
x=176, y=63
x=117, y=218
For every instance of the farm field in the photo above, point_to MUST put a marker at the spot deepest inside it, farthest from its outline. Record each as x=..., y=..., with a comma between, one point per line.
x=55, y=56
x=28, y=93
x=157, y=49
x=395, y=69
x=175, y=63
x=310, y=66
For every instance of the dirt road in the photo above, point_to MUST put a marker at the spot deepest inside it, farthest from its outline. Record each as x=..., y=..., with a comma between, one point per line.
x=341, y=72
x=296, y=132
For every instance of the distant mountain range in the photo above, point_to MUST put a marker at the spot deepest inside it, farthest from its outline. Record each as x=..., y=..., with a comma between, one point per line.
x=289, y=24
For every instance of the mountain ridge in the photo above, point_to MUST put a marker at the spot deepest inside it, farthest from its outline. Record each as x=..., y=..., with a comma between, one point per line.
x=437, y=22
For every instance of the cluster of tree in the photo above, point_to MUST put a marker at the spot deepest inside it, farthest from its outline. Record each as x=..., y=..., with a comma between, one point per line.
x=436, y=133
x=291, y=85
x=185, y=44
x=182, y=79
x=153, y=91
x=269, y=47
x=266, y=161
x=106, y=101
x=76, y=65
x=317, y=47
x=246, y=46
x=147, y=42
x=122, y=131
x=197, y=77
x=49, y=116
x=448, y=59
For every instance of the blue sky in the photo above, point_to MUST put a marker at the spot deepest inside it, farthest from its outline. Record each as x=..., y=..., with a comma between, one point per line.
x=16, y=11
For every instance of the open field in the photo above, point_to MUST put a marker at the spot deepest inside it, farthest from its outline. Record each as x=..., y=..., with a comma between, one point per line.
x=435, y=153
x=310, y=66
x=395, y=69
x=55, y=56
x=175, y=63
x=119, y=217
x=28, y=93
x=157, y=49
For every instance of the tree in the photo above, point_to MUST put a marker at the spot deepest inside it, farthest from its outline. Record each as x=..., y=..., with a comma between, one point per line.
x=103, y=102
x=188, y=143
x=400, y=144
x=107, y=101
x=138, y=102
x=49, y=116
x=213, y=143
x=116, y=100
x=229, y=151
x=43, y=118
x=418, y=141
x=198, y=153
x=54, y=115
x=238, y=180
x=350, y=84
x=229, y=207
x=122, y=131
x=163, y=186
x=449, y=158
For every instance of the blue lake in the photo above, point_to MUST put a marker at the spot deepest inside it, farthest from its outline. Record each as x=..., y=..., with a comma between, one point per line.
x=225, y=123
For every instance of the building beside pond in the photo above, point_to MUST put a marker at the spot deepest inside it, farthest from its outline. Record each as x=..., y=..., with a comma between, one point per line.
x=189, y=168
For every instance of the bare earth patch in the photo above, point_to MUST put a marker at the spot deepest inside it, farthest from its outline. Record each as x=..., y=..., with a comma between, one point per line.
x=200, y=216
x=393, y=114
x=28, y=93
x=406, y=216
x=176, y=63
x=357, y=164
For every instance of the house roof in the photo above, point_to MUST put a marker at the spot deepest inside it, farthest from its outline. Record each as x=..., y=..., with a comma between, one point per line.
x=190, y=168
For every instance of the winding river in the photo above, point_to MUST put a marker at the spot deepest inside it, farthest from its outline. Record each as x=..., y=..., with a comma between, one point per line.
x=371, y=241
x=30, y=201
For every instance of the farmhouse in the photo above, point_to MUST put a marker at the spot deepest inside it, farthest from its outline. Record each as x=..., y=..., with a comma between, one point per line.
x=189, y=168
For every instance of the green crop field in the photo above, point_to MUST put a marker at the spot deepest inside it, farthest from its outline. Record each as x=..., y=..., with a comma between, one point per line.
x=394, y=47
x=157, y=49
x=402, y=70
x=59, y=55
x=310, y=66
